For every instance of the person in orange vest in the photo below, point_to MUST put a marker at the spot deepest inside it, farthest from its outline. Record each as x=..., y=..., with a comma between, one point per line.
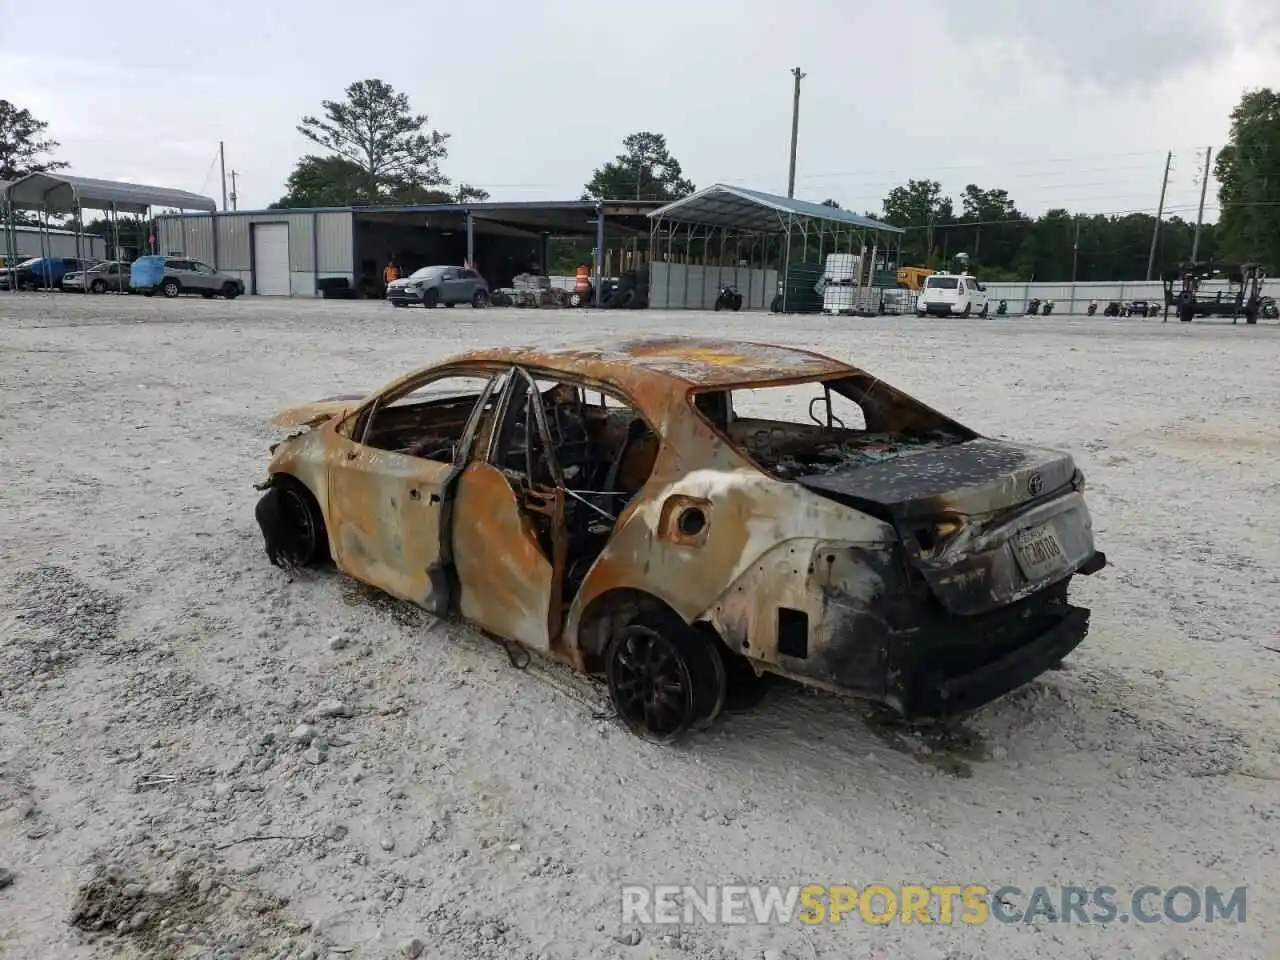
x=390, y=271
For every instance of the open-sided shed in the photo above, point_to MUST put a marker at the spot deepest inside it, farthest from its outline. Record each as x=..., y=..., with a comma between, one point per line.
x=52, y=194
x=732, y=235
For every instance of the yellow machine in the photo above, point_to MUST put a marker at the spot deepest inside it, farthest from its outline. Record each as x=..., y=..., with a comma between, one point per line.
x=913, y=277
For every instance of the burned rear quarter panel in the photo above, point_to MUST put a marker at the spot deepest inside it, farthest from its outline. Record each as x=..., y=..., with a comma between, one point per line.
x=750, y=514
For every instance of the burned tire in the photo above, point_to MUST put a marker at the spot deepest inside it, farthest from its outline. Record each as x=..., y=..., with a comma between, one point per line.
x=664, y=678
x=292, y=525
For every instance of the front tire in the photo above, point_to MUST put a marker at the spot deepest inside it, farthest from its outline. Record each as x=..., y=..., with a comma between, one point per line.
x=170, y=288
x=430, y=298
x=230, y=291
x=292, y=525
x=98, y=286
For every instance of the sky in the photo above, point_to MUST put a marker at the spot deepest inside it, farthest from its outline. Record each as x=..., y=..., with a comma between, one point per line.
x=1063, y=104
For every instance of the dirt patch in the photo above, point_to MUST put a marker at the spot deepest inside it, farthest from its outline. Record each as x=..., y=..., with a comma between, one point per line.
x=167, y=917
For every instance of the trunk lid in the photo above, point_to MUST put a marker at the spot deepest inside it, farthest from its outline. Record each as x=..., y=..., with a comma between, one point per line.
x=971, y=478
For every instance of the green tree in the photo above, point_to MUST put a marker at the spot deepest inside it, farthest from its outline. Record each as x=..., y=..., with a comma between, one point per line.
x=23, y=144
x=325, y=182
x=645, y=170
x=375, y=130
x=921, y=209
x=1248, y=169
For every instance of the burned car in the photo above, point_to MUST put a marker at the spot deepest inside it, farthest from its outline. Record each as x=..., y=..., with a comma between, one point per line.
x=684, y=514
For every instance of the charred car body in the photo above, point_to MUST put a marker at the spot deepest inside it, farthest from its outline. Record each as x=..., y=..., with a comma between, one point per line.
x=638, y=510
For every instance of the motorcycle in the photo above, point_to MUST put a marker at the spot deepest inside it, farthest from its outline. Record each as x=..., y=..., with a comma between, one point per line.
x=1048, y=307
x=1093, y=307
x=1112, y=309
x=1002, y=308
x=729, y=299
x=1267, y=307
x=1033, y=306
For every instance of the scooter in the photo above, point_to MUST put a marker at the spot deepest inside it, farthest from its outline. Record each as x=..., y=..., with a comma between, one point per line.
x=1033, y=306
x=729, y=299
x=1002, y=308
x=1048, y=307
x=1093, y=307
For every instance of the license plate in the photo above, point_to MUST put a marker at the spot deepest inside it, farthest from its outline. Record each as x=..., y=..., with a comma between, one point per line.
x=1038, y=552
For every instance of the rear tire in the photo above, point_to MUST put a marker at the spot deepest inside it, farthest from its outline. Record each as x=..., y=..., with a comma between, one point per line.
x=664, y=677
x=171, y=288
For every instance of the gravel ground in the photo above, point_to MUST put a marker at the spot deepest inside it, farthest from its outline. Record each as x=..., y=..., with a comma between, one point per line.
x=156, y=782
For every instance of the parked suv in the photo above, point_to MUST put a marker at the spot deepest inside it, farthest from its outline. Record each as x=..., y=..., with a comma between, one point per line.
x=177, y=275
x=949, y=294
x=432, y=285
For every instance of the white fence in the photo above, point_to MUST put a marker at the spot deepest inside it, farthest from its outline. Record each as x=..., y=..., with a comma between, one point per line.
x=1075, y=297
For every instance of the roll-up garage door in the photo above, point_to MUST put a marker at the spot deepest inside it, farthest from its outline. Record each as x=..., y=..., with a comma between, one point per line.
x=271, y=259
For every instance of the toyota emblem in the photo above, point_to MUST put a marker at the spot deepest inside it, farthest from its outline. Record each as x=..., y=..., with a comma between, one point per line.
x=1035, y=483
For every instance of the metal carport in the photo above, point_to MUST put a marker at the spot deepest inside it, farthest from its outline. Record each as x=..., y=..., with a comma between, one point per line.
x=770, y=226
x=48, y=193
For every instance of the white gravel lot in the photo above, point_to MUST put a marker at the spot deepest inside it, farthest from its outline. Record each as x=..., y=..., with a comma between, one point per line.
x=153, y=666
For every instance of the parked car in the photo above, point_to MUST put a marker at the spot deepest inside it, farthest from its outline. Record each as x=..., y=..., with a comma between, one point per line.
x=948, y=294
x=173, y=276
x=432, y=285
x=629, y=509
x=101, y=277
x=43, y=272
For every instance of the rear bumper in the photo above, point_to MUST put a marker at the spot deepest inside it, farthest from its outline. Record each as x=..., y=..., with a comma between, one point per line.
x=940, y=309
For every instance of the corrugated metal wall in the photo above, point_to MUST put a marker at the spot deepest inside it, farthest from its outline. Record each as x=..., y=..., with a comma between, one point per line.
x=192, y=236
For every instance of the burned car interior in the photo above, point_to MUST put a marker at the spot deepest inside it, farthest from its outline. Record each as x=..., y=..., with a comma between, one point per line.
x=599, y=450
x=836, y=424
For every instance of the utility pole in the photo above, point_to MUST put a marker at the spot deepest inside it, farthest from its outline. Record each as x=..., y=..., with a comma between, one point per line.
x=795, y=132
x=233, y=189
x=1075, y=251
x=222, y=167
x=1204, y=185
x=1155, y=233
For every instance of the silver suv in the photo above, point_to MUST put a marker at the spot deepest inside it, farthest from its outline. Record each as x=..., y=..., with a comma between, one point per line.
x=191, y=276
x=433, y=285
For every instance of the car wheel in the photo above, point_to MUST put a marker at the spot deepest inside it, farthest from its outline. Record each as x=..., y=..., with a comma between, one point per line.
x=230, y=291
x=170, y=288
x=292, y=525
x=98, y=286
x=430, y=298
x=479, y=299
x=967, y=311
x=664, y=677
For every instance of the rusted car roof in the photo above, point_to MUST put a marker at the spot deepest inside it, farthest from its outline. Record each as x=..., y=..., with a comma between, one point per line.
x=643, y=363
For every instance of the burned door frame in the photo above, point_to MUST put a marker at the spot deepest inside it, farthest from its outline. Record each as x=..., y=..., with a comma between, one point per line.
x=393, y=490
x=510, y=572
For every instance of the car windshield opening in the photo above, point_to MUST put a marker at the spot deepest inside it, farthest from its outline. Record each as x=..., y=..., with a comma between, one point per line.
x=425, y=273
x=795, y=430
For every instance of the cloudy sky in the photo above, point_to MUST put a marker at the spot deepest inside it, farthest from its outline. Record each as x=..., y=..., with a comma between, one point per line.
x=1067, y=104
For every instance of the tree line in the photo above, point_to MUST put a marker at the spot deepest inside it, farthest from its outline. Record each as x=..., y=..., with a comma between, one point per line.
x=373, y=149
